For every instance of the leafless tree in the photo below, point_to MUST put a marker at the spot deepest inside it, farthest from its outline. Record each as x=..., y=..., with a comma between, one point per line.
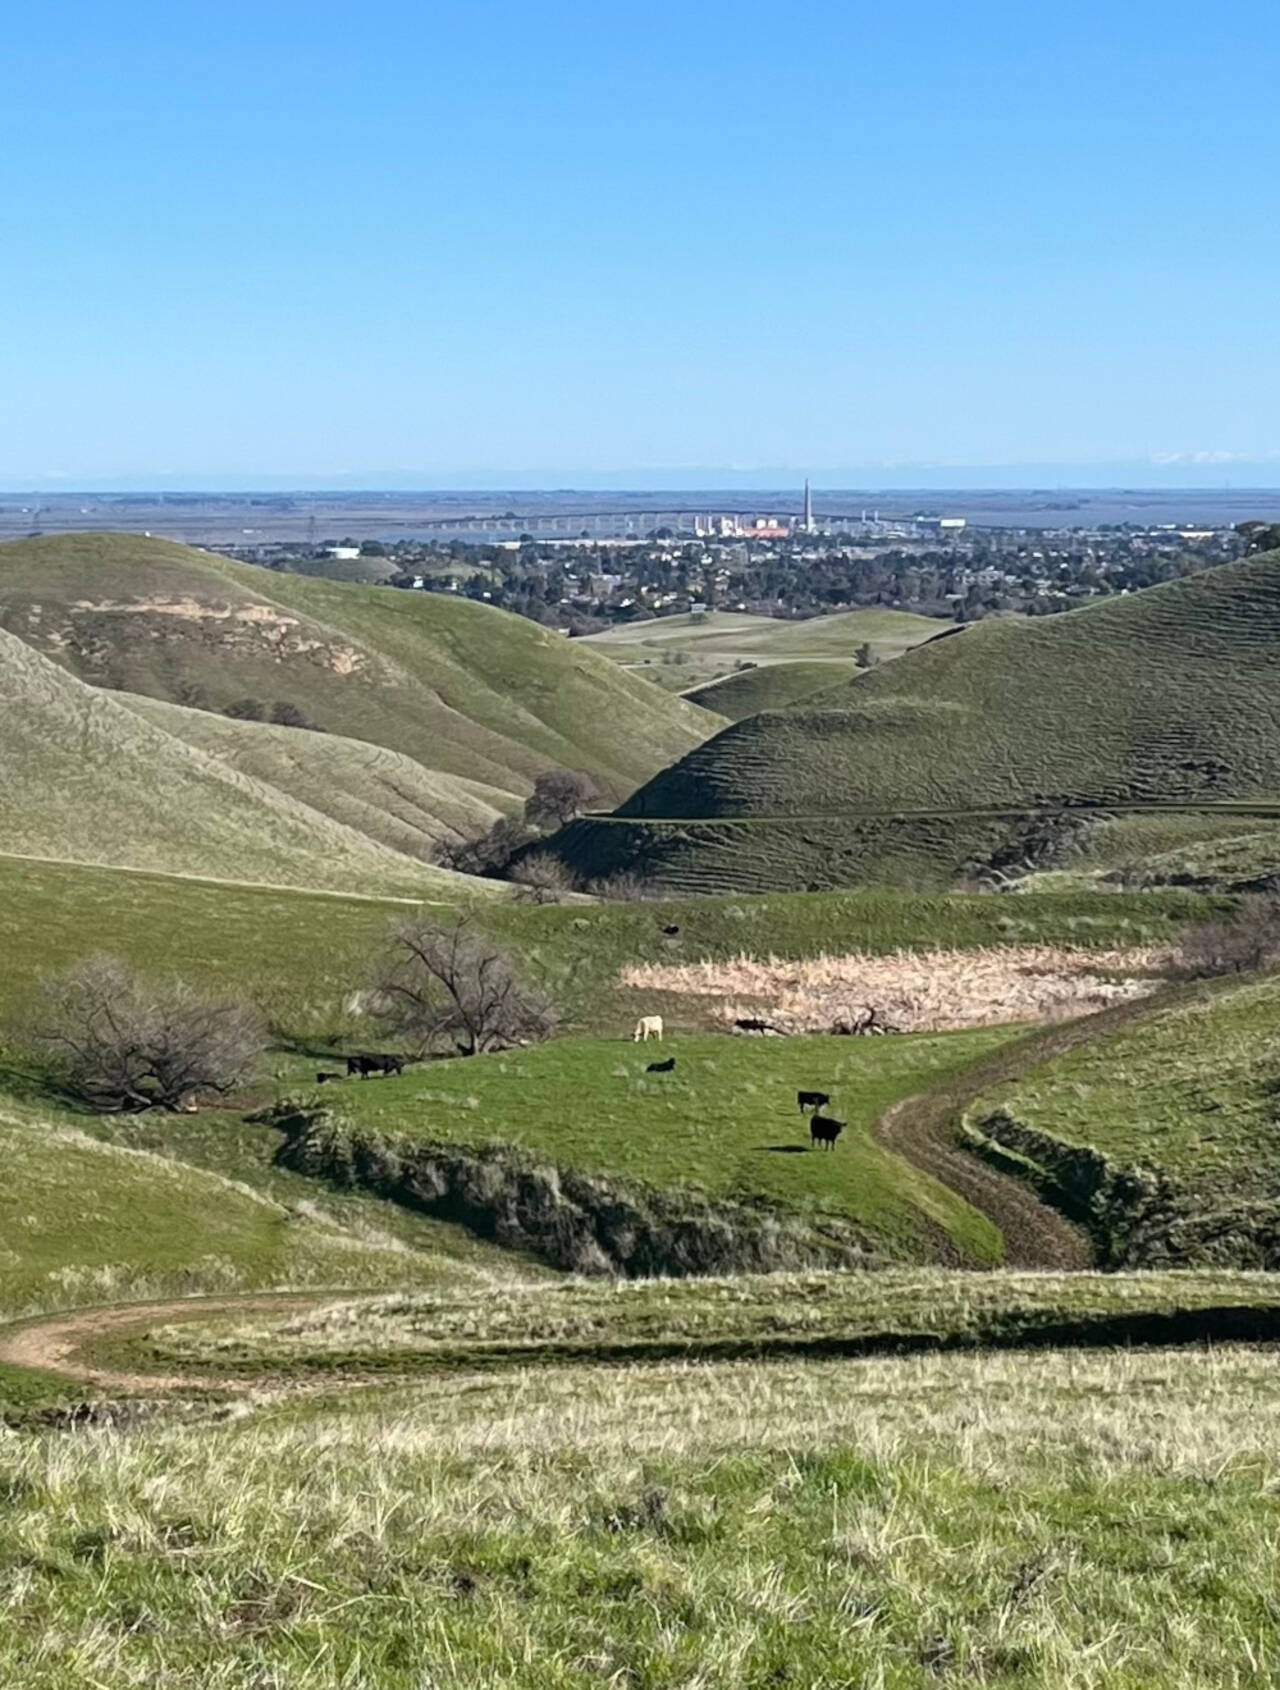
x=558, y=796
x=1240, y=944
x=448, y=986
x=541, y=878
x=123, y=1043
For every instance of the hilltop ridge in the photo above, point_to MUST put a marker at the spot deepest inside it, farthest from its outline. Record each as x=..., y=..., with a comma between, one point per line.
x=1166, y=697
x=465, y=690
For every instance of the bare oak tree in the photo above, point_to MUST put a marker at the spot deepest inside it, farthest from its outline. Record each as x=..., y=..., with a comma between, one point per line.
x=447, y=986
x=125, y=1043
x=1242, y=943
x=540, y=878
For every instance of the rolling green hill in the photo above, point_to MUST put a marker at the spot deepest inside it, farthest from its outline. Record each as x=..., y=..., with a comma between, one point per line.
x=1165, y=697
x=769, y=686
x=84, y=778
x=684, y=651
x=466, y=691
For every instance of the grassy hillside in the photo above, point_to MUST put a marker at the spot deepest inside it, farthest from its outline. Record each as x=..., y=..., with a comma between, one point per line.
x=1163, y=1136
x=769, y=686
x=465, y=690
x=84, y=778
x=1204, y=852
x=683, y=651
x=1167, y=695
x=388, y=797
x=85, y=1221
x=299, y=954
x=1189, y=1089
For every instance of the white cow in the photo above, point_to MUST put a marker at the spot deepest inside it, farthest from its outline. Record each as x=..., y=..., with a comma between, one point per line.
x=647, y=1027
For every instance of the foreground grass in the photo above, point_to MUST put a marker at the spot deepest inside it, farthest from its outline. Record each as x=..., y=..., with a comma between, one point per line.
x=1101, y=1521
x=764, y=1314
x=726, y=1120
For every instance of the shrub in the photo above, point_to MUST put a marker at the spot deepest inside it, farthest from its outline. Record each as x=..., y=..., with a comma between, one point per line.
x=288, y=715
x=247, y=710
x=624, y=887
x=124, y=1043
x=541, y=878
x=1242, y=944
x=445, y=986
x=489, y=854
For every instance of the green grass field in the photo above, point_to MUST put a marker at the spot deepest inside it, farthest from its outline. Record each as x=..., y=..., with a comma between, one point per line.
x=725, y=1121
x=298, y=955
x=1096, y=1521
x=761, y=1315
x=684, y=651
x=769, y=686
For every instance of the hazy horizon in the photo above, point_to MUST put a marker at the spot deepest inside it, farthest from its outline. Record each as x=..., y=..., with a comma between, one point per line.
x=1240, y=477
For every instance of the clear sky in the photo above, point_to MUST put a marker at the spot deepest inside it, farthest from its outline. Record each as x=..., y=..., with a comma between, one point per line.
x=496, y=242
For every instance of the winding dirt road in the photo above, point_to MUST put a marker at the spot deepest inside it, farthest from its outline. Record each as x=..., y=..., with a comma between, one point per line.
x=55, y=1345
x=922, y=1129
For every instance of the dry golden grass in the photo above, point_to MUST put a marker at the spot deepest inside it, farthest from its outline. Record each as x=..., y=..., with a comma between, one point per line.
x=914, y=991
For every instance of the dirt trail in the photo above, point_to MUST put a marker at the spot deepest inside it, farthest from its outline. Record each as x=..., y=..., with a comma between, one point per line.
x=923, y=1130
x=54, y=1345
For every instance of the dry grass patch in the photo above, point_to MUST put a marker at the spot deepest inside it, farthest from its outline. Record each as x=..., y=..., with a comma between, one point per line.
x=914, y=991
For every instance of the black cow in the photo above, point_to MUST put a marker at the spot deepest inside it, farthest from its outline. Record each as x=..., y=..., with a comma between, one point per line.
x=812, y=1100
x=671, y=929
x=661, y=1067
x=368, y=1062
x=322, y=1078
x=753, y=1024
x=823, y=1130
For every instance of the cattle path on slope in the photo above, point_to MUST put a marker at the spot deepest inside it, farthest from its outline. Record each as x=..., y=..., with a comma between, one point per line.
x=922, y=1129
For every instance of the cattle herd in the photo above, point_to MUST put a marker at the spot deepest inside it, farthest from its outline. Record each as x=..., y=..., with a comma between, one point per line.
x=823, y=1129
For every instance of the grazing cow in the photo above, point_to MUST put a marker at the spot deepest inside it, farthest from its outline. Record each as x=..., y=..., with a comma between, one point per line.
x=823, y=1130
x=814, y=1100
x=753, y=1024
x=366, y=1062
x=671, y=929
x=661, y=1067
x=647, y=1027
x=323, y=1078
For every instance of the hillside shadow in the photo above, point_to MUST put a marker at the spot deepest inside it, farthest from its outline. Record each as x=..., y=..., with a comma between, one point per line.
x=25, y=1084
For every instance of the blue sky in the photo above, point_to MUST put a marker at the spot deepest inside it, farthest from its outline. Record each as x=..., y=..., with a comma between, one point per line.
x=500, y=243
